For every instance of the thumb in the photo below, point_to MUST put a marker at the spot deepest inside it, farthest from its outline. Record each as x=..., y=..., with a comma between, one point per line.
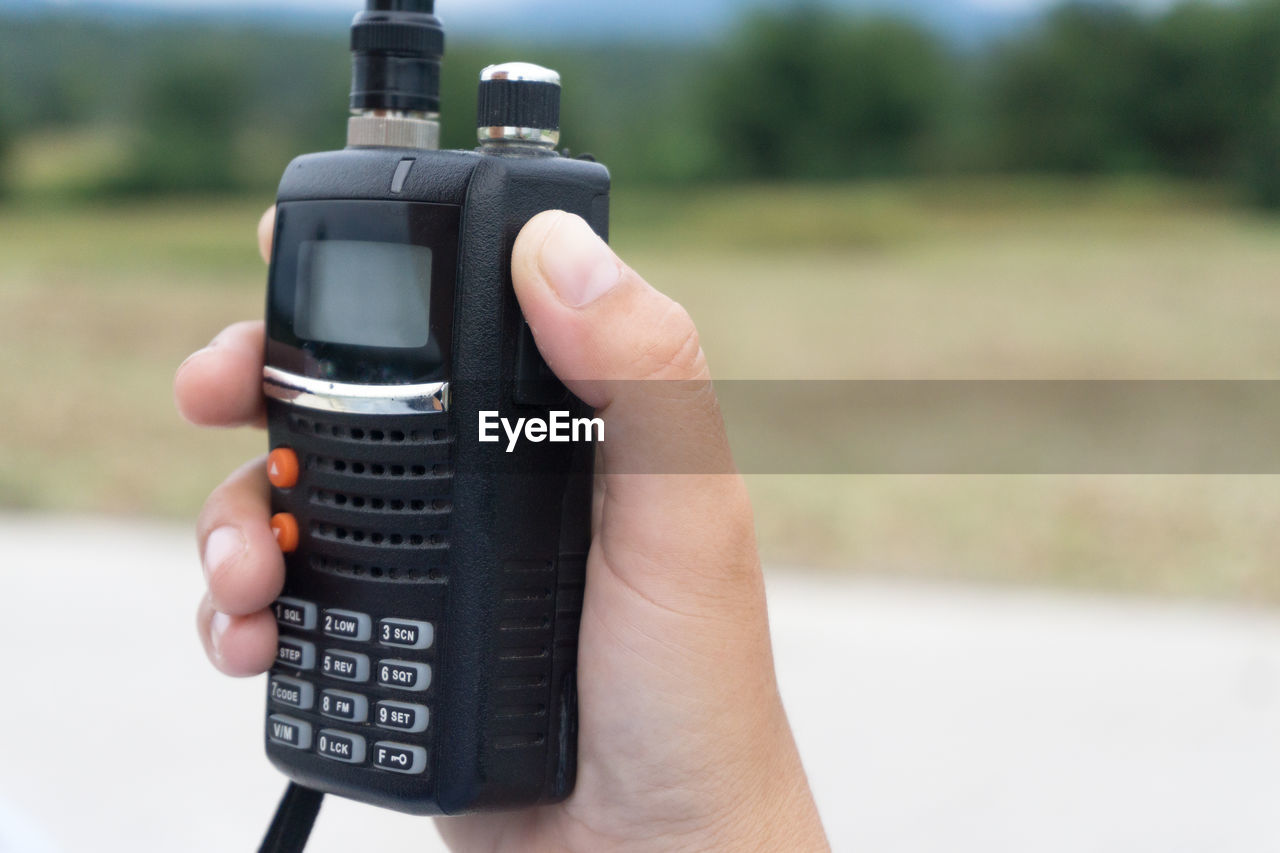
x=634, y=354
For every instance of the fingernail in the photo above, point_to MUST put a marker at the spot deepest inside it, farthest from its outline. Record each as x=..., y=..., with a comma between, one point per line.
x=577, y=263
x=194, y=356
x=223, y=547
x=218, y=626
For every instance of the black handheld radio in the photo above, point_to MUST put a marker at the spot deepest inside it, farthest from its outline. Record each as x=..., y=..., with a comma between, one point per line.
x=429, y=622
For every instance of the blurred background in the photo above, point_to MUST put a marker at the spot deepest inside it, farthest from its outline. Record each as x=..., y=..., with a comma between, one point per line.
x=932, y=189
x=869, y=189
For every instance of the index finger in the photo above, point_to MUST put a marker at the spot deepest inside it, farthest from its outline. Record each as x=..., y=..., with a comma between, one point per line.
x=221, y=385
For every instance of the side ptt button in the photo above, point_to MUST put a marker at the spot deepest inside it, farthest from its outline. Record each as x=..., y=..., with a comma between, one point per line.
x=285, y=528
x=283, y=469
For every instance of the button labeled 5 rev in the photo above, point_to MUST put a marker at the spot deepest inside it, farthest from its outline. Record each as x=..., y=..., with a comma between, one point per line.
x=348, y=666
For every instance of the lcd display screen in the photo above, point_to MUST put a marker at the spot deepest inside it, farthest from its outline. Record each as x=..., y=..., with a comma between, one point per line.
x=364, y=294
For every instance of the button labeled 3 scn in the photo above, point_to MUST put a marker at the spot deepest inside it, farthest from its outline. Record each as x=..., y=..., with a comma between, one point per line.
x=406, y=633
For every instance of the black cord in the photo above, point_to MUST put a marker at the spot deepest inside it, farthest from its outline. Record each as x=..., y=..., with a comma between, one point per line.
x=291, y=827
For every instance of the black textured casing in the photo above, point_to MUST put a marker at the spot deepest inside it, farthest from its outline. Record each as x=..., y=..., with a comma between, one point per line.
x=412, y=517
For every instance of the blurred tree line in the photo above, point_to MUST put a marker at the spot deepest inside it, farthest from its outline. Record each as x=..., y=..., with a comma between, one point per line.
x=803, y=94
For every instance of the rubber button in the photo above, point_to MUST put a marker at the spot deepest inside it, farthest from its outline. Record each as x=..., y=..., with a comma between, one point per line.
x=282, y=468
x=285, y=527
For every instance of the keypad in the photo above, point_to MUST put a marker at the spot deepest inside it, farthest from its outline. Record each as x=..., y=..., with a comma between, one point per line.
x=338, y=686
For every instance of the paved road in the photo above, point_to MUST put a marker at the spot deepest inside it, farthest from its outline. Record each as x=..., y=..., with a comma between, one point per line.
x=931, y=719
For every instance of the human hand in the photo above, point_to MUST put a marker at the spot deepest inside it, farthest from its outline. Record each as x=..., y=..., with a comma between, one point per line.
x=683, y=741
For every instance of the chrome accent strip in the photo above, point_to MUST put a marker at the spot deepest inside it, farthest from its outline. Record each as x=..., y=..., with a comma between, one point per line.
x=355, y=399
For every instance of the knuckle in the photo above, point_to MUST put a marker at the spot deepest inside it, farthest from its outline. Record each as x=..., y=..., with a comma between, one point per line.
x=673, y=349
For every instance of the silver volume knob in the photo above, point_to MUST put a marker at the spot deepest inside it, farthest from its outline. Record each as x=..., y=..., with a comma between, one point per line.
x=519, y=105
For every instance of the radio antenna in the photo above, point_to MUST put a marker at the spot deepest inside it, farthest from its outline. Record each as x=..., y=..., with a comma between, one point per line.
x=396, y=46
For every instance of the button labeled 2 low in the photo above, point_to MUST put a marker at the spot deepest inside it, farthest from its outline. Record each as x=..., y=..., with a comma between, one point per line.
x=347, y=625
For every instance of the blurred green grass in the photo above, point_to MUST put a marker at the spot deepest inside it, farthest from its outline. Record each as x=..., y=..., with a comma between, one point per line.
x=964, y=279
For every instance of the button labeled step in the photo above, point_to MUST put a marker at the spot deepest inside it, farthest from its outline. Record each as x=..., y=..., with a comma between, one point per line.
x=289, y=732
x=298, y=654
x=401, y=716
x=291, y=692
x=340, y=705
x=399, y=758
x=347, y=666
x=406, y=633
x=292, y=613
x=404, y=675
x=341, y=746
x=346, y=625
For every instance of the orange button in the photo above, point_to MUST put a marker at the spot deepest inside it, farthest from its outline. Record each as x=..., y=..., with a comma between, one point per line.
x=285, y=527
x=282, y=468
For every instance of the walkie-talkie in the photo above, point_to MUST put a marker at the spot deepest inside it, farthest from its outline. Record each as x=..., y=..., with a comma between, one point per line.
x=429, y=621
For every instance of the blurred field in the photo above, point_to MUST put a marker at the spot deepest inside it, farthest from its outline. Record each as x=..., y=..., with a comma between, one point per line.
x=98, y=305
